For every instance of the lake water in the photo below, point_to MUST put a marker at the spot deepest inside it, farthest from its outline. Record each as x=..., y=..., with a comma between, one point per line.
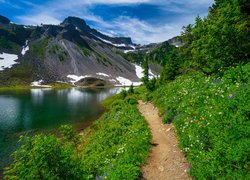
x=39, y=110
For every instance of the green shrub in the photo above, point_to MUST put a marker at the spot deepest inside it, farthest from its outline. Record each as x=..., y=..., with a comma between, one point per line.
x=132, y=101
x=118, y=145
x=211, y=116
x=131, y=89
x=39, y=47
x=44, y=157
x=123, y=94
x=169, y=116
x=113, y=148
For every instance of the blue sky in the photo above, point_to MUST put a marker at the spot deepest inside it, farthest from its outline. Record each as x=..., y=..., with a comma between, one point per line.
x=145, y=21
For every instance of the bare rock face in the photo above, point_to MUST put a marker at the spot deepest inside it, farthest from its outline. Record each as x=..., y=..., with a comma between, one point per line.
x=71, y=49
x=90, y=81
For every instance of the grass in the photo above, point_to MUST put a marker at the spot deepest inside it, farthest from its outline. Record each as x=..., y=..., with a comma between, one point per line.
x=58, y=85
x=7, y=88
x=5, y=43
x=16, y=77
x=39, y=47
x=211, y=116
x=84, y=50
x=113, y=148
x=118, y=145
x=57, y=50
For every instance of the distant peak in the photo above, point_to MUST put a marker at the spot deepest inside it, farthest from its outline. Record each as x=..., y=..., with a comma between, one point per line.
x=78, y=22
x=4, y=20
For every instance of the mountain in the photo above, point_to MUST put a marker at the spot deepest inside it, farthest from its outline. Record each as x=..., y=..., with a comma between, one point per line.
x=68, y=52
x=156, y=53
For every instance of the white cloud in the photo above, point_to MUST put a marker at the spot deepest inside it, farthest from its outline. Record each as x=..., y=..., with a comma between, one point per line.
x=38, y=19
x=143, y=32
x=117, y=1
x=139, y=30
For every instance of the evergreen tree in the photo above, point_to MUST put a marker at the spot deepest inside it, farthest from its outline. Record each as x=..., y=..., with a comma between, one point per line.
x=131, y=89
x=145, y=66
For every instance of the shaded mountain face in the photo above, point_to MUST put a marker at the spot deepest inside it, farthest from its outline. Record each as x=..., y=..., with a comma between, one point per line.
x=68, y=52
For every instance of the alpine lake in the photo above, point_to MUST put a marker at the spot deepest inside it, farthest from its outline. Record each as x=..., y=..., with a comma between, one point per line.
x=44, y=111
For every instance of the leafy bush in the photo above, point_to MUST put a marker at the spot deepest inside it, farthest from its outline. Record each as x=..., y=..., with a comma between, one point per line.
x=123, y=94
x=211, y=116
x=38, y=48
x=44, y=157
x=169, y=116
x=118, y=145
x=113, y=148
x=220, y=40
x=131, y=89
x=132, y=101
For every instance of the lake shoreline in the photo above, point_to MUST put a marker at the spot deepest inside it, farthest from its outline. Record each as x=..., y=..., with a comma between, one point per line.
x=58, y=85
x=86, y=100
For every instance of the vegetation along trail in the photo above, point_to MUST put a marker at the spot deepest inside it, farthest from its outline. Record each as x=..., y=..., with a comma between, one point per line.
x=166, y=160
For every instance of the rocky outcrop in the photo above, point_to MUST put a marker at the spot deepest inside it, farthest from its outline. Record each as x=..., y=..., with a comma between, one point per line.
x=90, y=81
x=67, y=52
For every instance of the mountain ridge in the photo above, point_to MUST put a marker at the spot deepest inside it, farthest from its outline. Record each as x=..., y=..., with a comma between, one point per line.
x=56, y=53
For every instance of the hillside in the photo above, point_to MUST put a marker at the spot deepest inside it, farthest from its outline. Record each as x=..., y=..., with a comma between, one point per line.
x=67, y=53
x=202, y=93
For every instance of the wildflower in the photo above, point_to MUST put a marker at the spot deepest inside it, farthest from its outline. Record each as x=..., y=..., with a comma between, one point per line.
x=231, y=96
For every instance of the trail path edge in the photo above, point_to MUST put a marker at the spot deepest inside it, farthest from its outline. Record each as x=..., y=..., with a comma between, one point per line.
x=166, y=161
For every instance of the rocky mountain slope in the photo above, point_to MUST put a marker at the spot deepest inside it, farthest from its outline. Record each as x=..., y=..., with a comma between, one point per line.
x=68, y=52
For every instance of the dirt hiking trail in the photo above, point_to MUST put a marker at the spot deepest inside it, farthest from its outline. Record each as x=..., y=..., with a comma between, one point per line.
x=165, y=162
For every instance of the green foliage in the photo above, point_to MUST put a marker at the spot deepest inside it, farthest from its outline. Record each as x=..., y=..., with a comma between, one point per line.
x=18, y=76
x=169, y=115
x=151, y=84
x=113, y=148
x=145, y=67
x=107, y=103
x=39, y=47
x=44, y=157
x=160, y=53
x=123, y=94
x=131, y=89
x=220, y=40
x=5, y=43
x=118, y=145
x=211, y=116
x=85, y=51
x=59, y=85
x=68, y=134
x=134, y=57
x=172, y=66
x=13, y=37
x=59, y=51
x=132, y=101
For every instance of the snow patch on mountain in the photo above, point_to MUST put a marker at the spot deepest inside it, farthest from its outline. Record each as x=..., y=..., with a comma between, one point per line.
x=133, y=47
x=39, y=84
x=25, y=48
x=75, y=78
x=102, y=74
x=109, y=42
x=151, y=75
x=7, y=60
x=127, y=51
x=139, y=71
x=126, y=82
